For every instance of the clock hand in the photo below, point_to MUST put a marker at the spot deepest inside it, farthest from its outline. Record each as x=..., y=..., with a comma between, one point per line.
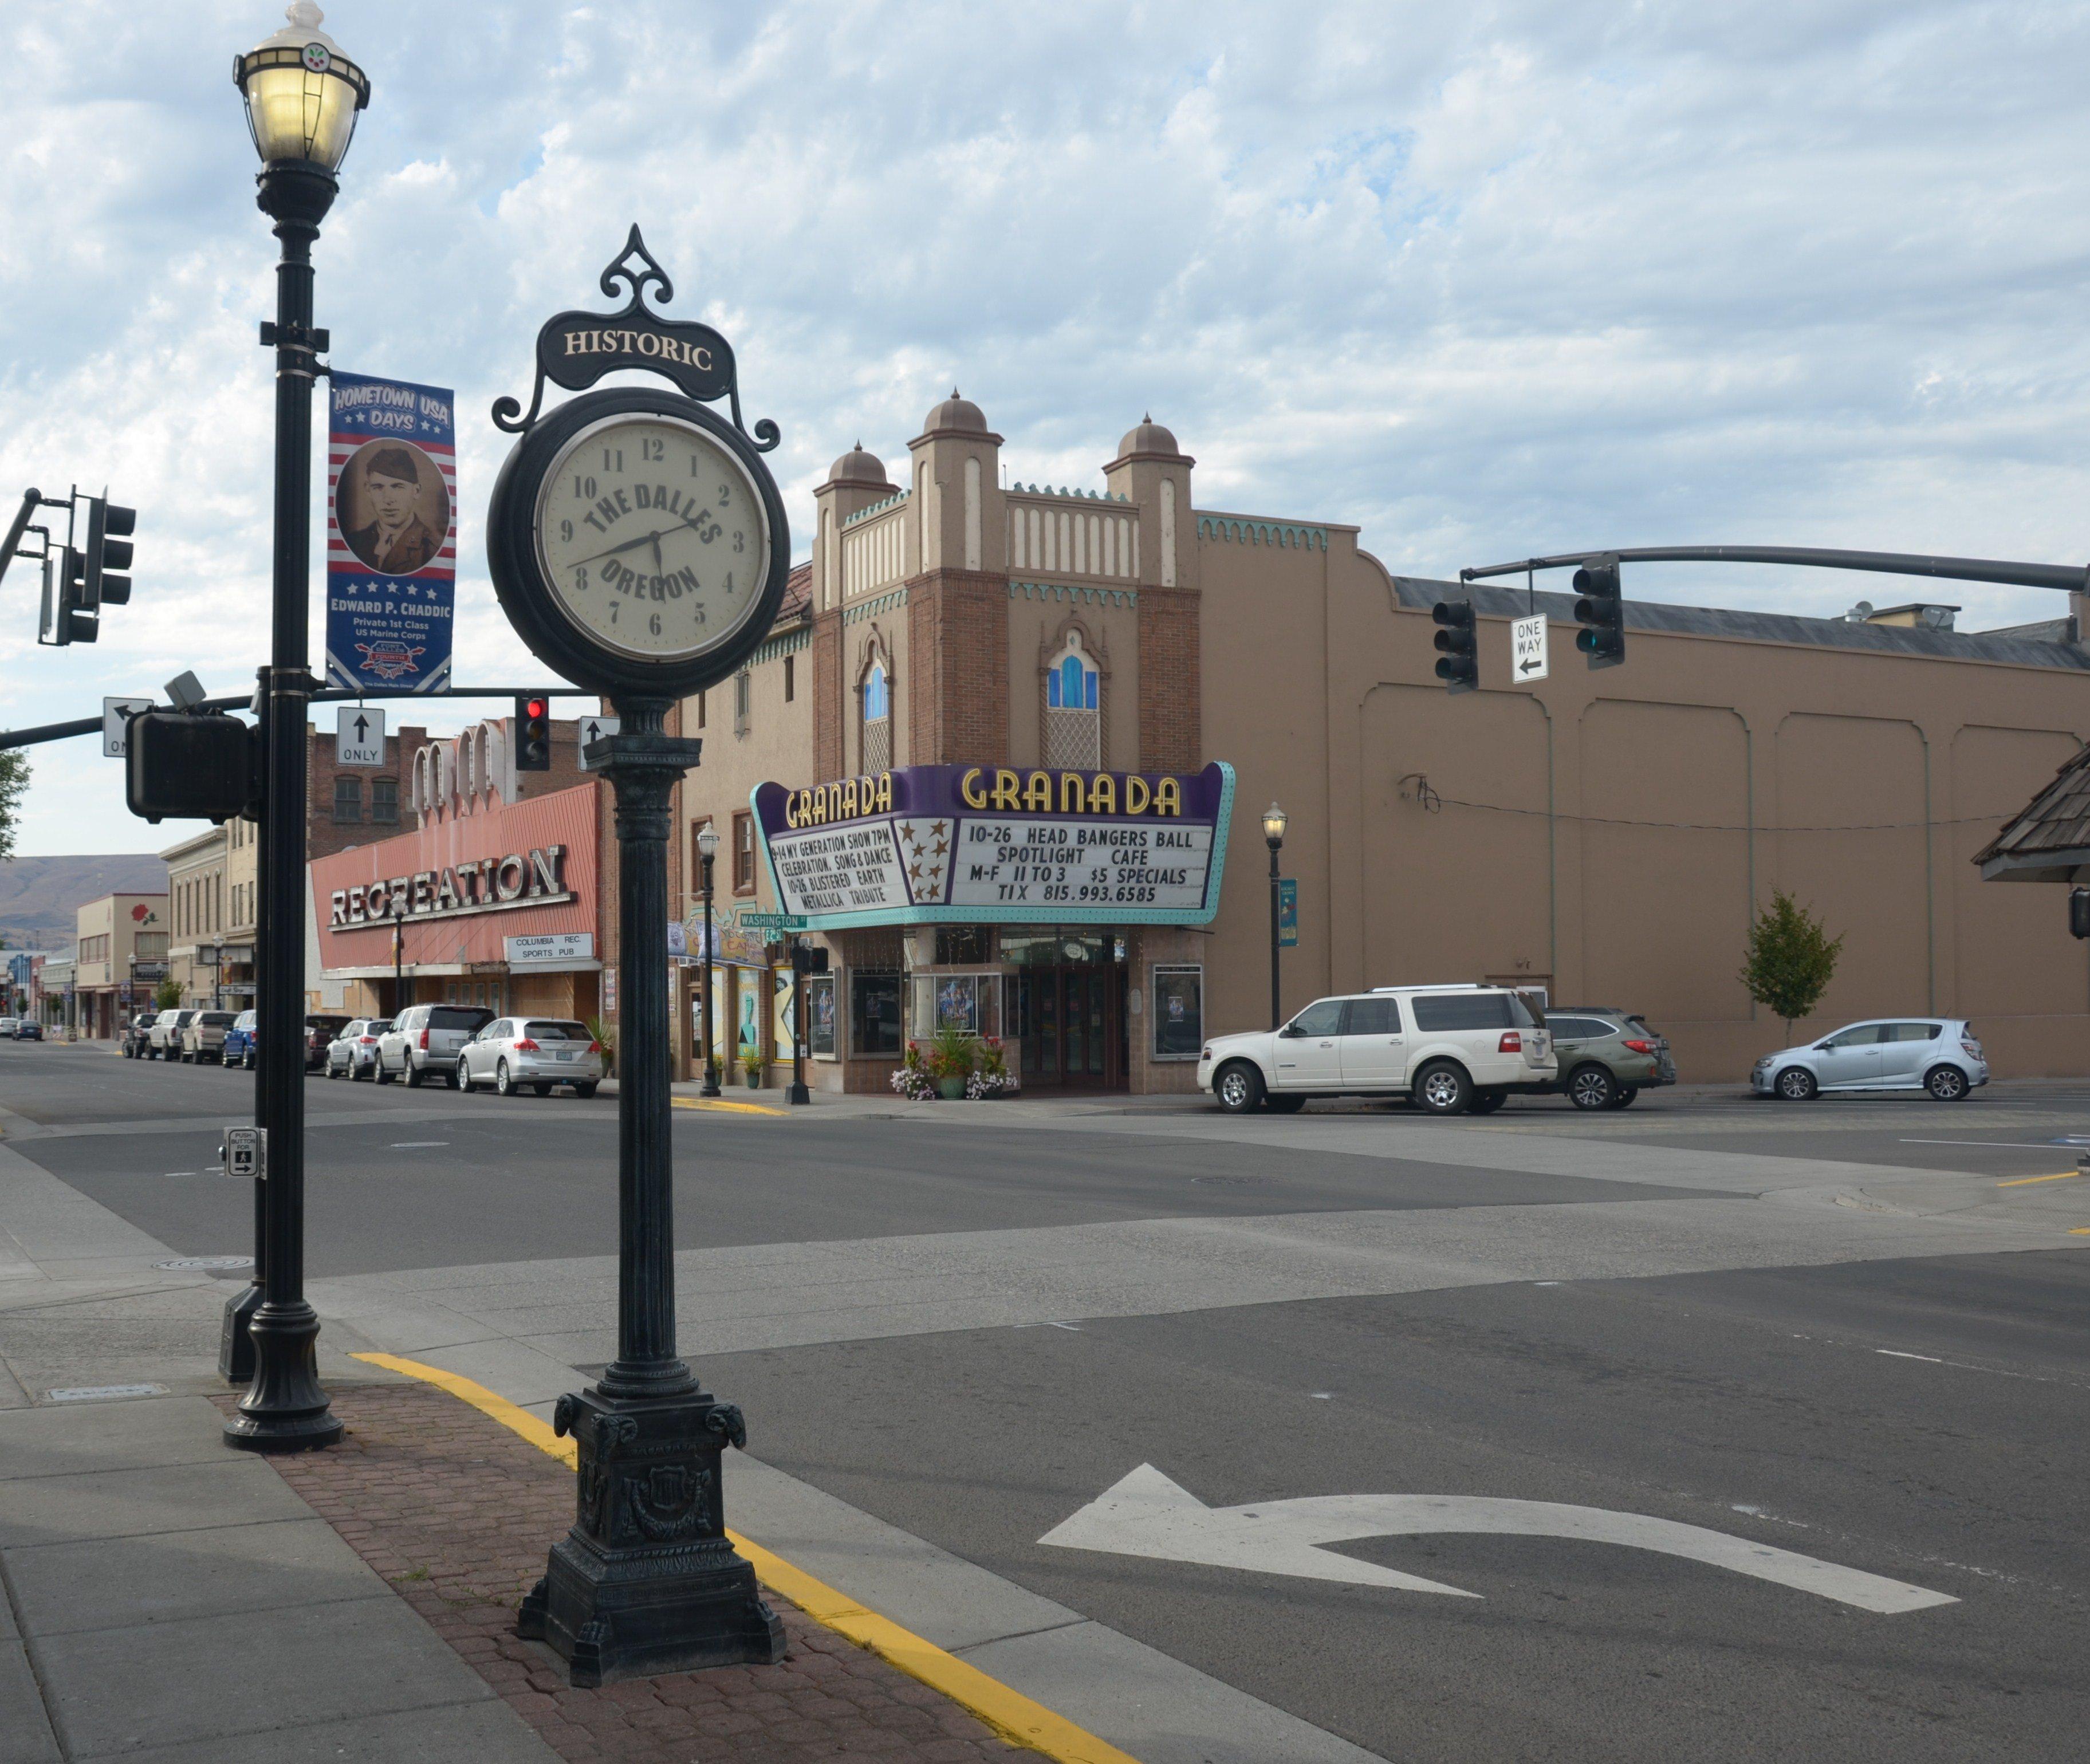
x=658, y=566
x=630, y=544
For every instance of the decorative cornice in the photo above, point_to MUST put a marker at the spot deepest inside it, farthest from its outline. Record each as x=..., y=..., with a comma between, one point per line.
x=1282, y=534
x=857, y=613
x=894, y=501
x=1057, y=591
x=1072, y=496
x=784, y=643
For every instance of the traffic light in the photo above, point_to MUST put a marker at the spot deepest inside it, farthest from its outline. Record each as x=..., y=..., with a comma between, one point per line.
x=67, y=618
x=1457, y=664
x=1600, y=612
x=533, y=732
x=108, y=554
x=2078, y=912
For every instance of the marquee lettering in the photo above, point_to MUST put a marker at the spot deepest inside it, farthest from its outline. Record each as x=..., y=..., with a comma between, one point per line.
x=477, y=886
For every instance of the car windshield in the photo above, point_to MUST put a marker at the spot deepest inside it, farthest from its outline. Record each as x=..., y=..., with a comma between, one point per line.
x=457, y=1017
x=217, y=1018
x=377, y=1025
x=549, y=1031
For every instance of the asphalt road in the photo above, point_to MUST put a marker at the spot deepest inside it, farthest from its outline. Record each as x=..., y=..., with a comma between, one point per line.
x=1920, y=1416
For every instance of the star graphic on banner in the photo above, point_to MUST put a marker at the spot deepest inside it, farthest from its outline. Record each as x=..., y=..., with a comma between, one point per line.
x=937, y=831
x=941, y=846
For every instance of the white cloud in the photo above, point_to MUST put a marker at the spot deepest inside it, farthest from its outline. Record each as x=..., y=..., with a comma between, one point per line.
x=1485, y=281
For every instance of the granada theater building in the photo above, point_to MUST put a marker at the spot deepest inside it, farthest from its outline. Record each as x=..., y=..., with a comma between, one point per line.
x=490, y=901
x=999, y=747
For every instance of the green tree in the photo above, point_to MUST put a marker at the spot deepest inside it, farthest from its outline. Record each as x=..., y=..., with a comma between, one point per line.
x=14, y=782
x=1790, y=959
x=167, y=995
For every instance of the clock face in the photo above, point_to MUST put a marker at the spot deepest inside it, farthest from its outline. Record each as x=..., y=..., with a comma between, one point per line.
x=652, y=537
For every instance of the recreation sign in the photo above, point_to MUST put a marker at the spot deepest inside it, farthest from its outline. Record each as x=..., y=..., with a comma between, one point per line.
x=992, y=845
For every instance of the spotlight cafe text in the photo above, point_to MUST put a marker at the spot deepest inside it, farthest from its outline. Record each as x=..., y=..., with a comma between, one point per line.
x=993, y=843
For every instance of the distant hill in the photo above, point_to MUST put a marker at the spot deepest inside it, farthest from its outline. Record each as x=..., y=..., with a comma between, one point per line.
x=39, y=896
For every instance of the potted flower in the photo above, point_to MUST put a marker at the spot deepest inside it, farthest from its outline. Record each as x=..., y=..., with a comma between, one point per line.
x=991, y=1076
x=750, y=1063
x=949, y=1062
x=911, y=1079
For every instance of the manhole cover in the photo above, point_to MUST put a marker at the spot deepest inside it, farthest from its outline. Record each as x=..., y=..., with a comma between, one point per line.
x=104, y=1393
x=208, y=1262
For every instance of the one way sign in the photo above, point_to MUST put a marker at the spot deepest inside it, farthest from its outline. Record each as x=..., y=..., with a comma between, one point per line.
x=1527, y=649
x=358, y=736
x=593, y=729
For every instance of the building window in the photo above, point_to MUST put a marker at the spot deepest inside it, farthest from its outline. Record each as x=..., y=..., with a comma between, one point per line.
x=820, y=1016
x=743, y=854
x=877, y=718
x=743, y=682
x=1073, y=714
x=873, y=1015
x=385, y=799
x=791, y=680
x=347, y=799
x=1179, y=1013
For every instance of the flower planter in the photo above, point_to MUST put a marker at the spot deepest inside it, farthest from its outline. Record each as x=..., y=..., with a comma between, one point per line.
x=950, y=1090
x=754, y=1081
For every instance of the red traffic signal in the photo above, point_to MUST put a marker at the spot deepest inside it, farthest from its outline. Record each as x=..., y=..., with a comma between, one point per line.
x=533, y=732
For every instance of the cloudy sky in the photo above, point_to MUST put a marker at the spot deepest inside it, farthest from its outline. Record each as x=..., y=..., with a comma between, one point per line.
x=1487, y=280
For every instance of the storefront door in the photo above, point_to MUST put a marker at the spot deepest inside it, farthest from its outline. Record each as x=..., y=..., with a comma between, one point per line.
x=1070, y=1020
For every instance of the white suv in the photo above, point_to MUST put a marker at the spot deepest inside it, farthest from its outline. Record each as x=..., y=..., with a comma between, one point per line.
x=1451, y=1048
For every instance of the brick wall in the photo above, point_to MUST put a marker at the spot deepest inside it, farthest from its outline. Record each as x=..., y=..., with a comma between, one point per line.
x=323, y=835
x=1171, y=738
x=831, y=698
x=958, y=652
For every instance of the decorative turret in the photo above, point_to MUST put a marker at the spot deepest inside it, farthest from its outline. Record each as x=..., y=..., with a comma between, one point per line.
x=957, y=509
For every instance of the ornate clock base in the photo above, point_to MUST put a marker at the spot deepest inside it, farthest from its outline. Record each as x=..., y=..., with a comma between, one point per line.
x=646, y=1580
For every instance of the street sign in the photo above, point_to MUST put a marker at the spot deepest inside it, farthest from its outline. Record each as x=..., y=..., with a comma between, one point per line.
x=358, y=736
x=1527, y=649
x=772, y=921
x=116, y=715
x=1287, y=914
x=247, y=1151
x=594, y=728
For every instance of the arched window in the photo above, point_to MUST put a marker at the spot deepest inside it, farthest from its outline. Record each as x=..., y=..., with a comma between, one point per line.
x=1073, y=709
x=877, y=717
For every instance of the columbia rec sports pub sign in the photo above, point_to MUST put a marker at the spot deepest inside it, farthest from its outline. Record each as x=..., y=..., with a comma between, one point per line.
x=999, y=846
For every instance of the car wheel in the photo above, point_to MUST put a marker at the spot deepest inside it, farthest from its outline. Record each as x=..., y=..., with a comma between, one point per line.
x=583, y=1092
x=1487, y=1101
x=1284, y=1105
x=1624, y=1098
x=503, y=1085
x=1239, y=1088
x=1592, y=1086
x=460, y=1079
x=1441, y=1088
x=413, y=1074
x=1796, y=1084
x=1945, y=1083
x=380, y=1071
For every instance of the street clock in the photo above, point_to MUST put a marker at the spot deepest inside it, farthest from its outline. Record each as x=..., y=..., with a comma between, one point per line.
x=636, y=539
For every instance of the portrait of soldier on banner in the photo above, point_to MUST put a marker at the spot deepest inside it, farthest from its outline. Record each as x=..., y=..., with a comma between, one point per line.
x=392, y=508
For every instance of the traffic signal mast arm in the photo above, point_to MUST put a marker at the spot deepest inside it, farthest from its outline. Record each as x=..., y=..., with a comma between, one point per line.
x=1897, y=563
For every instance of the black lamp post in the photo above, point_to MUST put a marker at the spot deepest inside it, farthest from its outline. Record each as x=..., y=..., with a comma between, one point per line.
x=1273, y=833
x=303, y=98
x=708, y=850
x=398, y=956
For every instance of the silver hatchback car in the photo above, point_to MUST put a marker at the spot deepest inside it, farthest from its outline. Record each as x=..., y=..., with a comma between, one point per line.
x=1940, y=1055
x=513, y=1053
x=353, y=1051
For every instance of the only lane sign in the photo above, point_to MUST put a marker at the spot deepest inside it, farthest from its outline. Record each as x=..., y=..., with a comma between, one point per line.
x=358, y=736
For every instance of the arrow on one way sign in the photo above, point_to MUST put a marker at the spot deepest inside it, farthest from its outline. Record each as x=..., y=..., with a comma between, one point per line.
x=1148, y=1515
x=1527, y=649
x=358, y=736
x=594, y=728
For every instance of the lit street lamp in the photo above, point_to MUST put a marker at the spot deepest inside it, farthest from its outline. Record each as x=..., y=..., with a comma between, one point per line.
x=708, y=850
x=1272, y=832
x=303, y=98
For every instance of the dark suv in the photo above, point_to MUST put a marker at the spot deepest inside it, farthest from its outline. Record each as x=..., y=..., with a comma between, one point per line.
x=1606, y=1057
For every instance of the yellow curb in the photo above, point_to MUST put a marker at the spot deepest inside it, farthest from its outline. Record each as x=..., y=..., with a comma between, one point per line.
x=2023, y=1181
x=1011, y=1714
x=720, y=1103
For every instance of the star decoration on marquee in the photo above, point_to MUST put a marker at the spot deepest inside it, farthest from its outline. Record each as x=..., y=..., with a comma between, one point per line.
x=927, y=854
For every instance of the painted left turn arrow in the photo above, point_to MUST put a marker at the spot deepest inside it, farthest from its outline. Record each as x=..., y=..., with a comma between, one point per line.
x=1148, y=1515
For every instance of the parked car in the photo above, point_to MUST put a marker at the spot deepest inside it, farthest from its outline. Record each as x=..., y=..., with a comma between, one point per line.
x=29, y=1029
x=135, y=1033
x=7, y=1027
x=353, y=1051
x=425, y=1040
x=320, y=1030
x=239, y=1040
x=163, y=1040
x=1940, y=1055
x=1606, y=1057
x=1450, y=1048
x=512, y=1053
x=203, y=1037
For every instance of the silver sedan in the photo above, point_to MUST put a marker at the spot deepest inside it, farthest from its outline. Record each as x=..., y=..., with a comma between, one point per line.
x=515, y=1053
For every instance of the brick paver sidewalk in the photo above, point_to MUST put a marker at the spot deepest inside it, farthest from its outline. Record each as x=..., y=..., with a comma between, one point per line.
x=457, y=1512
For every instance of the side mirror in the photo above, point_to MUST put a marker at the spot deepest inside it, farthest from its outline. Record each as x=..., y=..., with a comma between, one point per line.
x=1823, y=1047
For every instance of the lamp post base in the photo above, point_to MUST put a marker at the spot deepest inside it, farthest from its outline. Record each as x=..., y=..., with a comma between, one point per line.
x=798, y=1093
x=646, y=1580
x=235, y=1347
x=286, y=1410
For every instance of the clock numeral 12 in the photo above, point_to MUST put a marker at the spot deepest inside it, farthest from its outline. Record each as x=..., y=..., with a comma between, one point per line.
x=652, y=448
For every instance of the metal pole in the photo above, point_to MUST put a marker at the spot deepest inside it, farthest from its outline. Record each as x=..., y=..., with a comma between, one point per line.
x=710, y=1087
x=1274, y=1018
x=399, y=960
x=235, y=1347
x=285, y=1410
x=646, y=1580
x=799, y=1093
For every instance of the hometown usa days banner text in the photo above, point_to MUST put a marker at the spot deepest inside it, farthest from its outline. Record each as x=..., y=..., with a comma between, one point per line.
x=391, y=534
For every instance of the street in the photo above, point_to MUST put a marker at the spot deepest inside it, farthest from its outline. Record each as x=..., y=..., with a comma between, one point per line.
x=1853, y=1332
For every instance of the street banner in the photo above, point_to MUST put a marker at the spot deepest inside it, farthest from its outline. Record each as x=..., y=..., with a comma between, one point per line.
x=391, y=534
x=1288, y=913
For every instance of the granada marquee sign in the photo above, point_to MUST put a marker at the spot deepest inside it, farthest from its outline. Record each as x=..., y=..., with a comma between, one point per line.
x=993, y=844
x=536, y=878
